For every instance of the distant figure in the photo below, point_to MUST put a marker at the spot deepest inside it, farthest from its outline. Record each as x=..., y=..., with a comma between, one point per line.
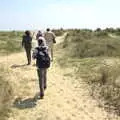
x=38, y=35
x=50, y=40
x=42, y=62
x=27, y=44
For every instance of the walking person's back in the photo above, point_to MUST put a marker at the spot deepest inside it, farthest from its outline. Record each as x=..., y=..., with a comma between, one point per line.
x=50, y=40
x=27, y=44
x=42, y=62
x=38, y=35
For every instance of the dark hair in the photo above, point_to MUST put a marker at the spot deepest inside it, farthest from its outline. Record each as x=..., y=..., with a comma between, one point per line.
x=27, y=33
x=48, y=29
x=40, y=42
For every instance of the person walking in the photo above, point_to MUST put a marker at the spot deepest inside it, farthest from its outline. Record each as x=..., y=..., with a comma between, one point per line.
x=27, y=44
x=41, y=55
x=38, y=35
x=50, y=40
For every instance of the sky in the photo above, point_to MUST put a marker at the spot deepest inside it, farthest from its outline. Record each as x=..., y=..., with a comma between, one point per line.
x=40, y=14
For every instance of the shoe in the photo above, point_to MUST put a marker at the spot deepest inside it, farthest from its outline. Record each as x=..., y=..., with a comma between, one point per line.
x=45, y=87
x=41, y=96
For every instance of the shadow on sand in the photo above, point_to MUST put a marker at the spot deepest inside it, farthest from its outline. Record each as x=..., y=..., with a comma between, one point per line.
x=17, y=66
x=25, y=103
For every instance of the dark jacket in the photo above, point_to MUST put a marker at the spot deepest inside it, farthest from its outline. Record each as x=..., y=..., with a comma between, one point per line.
x=27, y=41
x=42, y=57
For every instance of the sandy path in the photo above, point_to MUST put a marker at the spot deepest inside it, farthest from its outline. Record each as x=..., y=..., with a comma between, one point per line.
x=65, y=97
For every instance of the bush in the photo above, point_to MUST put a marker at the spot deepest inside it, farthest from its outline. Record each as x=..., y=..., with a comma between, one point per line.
x=58, y=32
x=92, y=54
x=83, y=44
x=10, y=42
x=105, y=85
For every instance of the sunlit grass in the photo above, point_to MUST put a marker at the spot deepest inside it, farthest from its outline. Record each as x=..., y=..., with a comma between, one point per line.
x=95, y=58
x=10, y=42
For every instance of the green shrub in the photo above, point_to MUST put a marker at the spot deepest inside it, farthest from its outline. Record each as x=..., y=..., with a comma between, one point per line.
x=10, y=42
x=58, y=32
x=95, y=57
x=83, y=44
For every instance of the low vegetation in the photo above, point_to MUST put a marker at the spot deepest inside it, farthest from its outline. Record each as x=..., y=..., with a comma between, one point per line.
x=83, y=44
x=95, y=57
x=58, y=32
x=10, y=42
x=6, y=94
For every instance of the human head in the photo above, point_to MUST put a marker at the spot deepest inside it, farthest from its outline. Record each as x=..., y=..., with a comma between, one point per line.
x=40, y=34
x=27, y=32
x=48, y=29
x=41, y=41
x=39, y=31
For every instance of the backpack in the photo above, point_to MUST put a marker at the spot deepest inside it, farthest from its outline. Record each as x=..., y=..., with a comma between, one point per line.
x=43, y=59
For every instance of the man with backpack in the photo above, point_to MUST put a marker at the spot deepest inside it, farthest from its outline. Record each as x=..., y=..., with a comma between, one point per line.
x=27, y=44
x=50, y=40
x=42, y=62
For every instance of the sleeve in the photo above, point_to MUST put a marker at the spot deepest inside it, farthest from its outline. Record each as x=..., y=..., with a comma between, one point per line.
x=46, y=49
x=54, y=41
x=54, y=35
x=37, y=36
x=35, y=52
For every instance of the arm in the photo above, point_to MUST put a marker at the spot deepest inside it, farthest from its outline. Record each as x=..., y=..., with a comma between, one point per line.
x=23, y=41
x=35, y=52
x=54, y=41
x=37, y=37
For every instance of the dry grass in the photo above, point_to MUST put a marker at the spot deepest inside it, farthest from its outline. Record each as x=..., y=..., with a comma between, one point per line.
x=67, y=96
x=82, y=44
x=6, y=94
x=10, y=42
x=92, y=54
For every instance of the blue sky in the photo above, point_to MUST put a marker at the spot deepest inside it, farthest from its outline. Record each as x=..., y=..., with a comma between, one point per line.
x=40, y=14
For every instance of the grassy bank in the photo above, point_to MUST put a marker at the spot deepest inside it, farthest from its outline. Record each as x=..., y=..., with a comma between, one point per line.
x=95, y=57
x=6, y=94
x=58, y=32
x=10, y=42
x=83, y=44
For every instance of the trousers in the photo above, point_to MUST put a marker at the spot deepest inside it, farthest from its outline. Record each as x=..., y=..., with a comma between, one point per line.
x=42, y=75
x=28, y=54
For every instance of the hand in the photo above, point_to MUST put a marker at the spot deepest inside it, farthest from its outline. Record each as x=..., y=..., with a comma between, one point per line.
x=54, y=41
